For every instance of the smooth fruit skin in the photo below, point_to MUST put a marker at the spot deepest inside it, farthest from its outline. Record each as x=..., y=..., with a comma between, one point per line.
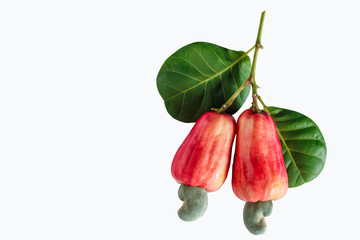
x=203, y=159
x=259, y=172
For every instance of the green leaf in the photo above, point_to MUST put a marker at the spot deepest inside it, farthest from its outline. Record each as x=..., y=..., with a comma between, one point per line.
x=201, y=76
x=303, y=145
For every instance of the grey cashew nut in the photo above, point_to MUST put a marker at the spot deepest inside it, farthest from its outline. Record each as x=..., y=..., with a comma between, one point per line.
x=254, y=216
x=195, y=202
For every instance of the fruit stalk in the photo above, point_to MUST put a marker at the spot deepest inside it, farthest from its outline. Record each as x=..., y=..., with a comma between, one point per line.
x=251, y=78
x=258, y=45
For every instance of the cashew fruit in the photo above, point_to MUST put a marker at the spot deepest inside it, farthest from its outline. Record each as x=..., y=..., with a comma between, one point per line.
x=203, y=159
x=259, y=172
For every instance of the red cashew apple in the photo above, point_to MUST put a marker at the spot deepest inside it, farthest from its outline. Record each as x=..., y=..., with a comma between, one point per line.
x=203, y=159
x=259, y=172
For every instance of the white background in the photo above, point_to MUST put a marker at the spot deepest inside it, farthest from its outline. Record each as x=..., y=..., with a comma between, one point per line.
x=86, y=143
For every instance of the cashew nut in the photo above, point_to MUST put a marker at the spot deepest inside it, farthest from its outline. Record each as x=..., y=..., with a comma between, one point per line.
x=254, y=216
x=195, y=202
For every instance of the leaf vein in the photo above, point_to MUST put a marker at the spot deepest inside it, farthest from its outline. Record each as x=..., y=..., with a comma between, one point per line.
x=198, y=80
x=204, y=60
x=222, y=85
x=197, y=69
x=293, y=150
x=305, y=139
x=165, y=84
x=232, y=75
x=294, y=129
x=209, y=78
x=285, y=120
x=218, y=56
x=309, y=173
x=182, y=103
x=203, y=101
x=227, y=55
x=241, y=71
x=291, y=156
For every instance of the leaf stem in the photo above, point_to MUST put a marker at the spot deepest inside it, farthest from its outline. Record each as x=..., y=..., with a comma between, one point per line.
x=249, y=51
x=233, y=97
x=258, y=45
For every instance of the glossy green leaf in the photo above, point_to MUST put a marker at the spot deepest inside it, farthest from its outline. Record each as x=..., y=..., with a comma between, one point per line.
x=201, y=76
x=303, y=145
